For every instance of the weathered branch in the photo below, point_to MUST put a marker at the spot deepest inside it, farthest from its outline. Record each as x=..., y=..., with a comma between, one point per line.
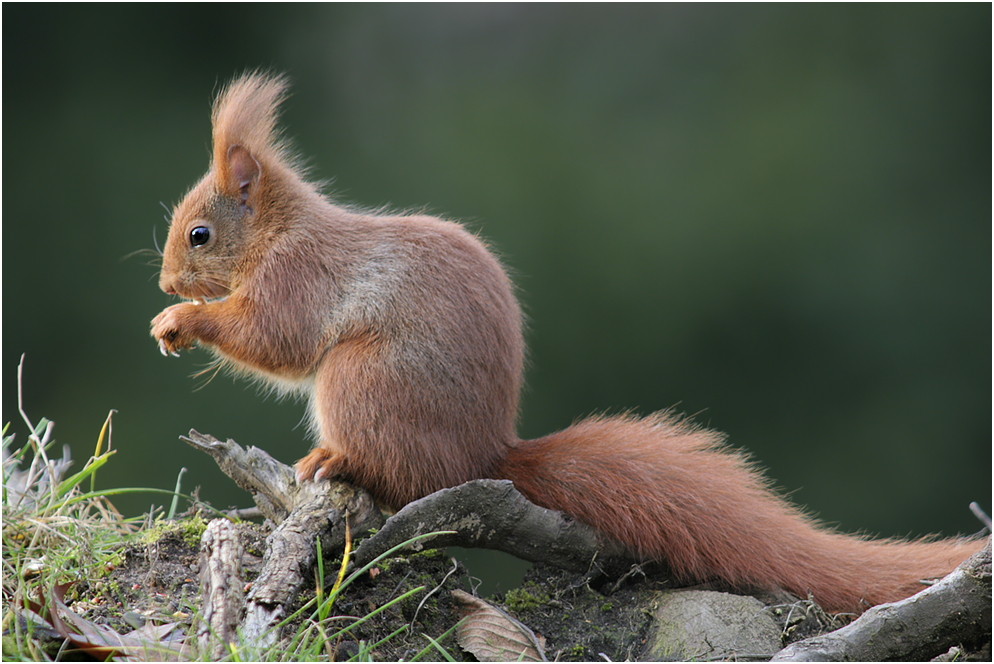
x=270, y=482
x=291, y=554
x=954, y=611
x=305, y=513
x=492, y=514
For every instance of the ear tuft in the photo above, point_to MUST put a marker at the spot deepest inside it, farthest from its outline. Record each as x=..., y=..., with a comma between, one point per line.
x=246, y=140
x=243, y=171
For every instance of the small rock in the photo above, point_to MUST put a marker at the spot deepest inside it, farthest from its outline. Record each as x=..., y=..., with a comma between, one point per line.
x=708, y=625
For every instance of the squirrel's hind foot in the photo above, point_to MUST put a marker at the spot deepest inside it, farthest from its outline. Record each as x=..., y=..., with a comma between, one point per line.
x=319, y=464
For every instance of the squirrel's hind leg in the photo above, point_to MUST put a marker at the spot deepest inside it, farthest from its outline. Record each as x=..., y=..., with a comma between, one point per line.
x=344, y=406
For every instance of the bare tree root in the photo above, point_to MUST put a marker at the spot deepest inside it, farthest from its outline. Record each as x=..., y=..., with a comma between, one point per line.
x=954, y=611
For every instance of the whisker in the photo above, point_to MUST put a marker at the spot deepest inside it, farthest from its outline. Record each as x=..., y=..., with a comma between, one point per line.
x=215, y=280
x=155, y=241
x=138, y=252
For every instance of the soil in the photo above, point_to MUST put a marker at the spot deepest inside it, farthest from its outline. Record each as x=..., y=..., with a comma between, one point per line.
x=574, y=618
x=156, y=582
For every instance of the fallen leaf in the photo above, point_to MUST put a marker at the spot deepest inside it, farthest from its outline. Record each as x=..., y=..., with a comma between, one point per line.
x=491, y=635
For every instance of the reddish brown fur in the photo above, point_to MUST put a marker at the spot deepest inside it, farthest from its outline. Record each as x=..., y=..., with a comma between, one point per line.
x=405, y=334
x=671, y=491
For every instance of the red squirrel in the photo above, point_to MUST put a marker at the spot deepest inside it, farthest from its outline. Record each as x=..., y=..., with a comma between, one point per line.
x=404, y=334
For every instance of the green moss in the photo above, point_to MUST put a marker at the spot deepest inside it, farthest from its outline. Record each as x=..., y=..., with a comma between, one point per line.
x=404, y=562
x=577, y=652
x=428, y=553
x=189, y=530
x=528, y=596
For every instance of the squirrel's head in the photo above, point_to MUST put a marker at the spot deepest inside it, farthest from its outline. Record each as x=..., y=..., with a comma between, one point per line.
x=216, y=228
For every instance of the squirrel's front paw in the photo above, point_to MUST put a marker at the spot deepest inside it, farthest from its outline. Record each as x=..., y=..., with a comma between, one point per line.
x=168, y=331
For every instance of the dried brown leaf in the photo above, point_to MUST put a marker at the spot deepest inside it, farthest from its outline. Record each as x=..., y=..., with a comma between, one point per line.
x=491, y=635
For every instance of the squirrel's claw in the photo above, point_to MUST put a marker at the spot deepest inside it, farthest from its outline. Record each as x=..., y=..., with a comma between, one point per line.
x=165, y=350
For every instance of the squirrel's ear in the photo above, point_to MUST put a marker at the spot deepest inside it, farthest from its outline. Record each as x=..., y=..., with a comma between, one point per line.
x=243, y=171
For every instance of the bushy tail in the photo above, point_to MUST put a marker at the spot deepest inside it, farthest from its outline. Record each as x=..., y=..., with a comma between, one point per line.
x=670, y=491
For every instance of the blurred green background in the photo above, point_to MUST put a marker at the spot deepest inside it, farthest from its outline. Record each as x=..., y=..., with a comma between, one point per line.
x=776, y=218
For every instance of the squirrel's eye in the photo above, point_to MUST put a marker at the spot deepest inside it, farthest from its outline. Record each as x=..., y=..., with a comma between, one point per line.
x=200, y=235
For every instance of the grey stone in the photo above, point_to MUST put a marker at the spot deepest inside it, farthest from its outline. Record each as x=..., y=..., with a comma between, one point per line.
x=708, y=625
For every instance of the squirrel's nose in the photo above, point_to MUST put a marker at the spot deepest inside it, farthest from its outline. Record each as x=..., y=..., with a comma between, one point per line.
x=167, y=286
